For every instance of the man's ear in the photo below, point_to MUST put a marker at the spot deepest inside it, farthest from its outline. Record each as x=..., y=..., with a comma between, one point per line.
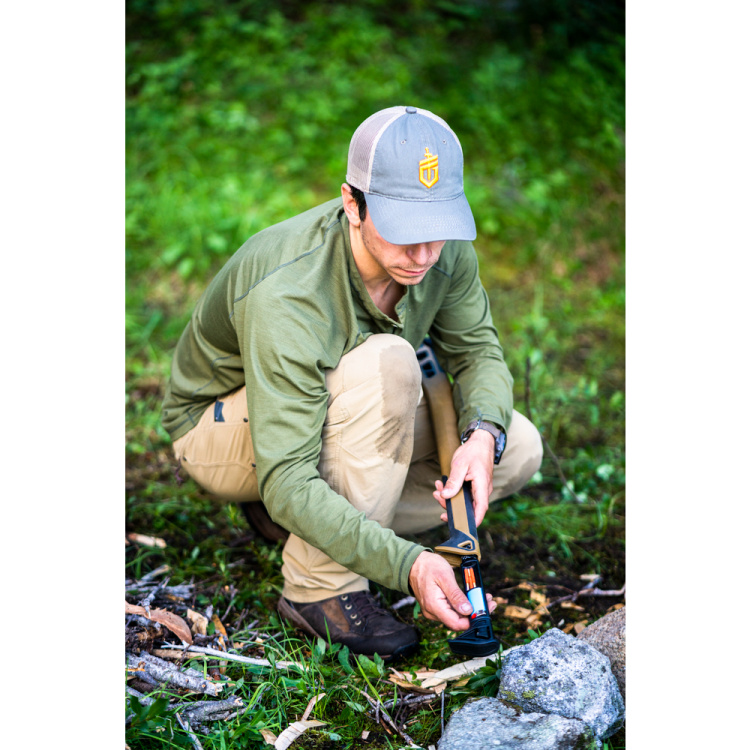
x=350, y=205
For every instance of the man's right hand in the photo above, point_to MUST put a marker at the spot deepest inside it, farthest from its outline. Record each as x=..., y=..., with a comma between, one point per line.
x=434, y=585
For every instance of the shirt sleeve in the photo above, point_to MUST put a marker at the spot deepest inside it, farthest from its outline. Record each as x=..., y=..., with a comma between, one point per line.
x=466, y=344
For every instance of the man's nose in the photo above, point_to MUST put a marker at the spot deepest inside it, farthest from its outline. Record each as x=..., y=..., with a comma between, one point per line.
x=421, y=253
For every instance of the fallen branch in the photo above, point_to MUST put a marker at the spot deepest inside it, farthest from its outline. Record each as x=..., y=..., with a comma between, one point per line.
x=158, y=671
x=226, y=655
x=587, y=591
x=213, y=710
x=196, y=712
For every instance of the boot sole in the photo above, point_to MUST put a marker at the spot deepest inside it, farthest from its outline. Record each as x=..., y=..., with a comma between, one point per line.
x=291, y=615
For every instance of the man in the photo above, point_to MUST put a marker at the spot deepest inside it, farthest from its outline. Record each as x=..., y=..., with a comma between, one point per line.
x=296, y=385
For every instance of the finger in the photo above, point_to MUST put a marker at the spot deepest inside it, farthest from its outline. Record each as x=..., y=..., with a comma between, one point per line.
x=491, y=603
x=458, y=600
x=454, y=483
x=437, y=493
x=480, y=492
x=480, y=510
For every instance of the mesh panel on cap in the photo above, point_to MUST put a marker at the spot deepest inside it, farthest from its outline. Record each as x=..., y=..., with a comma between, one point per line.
x=363, y=143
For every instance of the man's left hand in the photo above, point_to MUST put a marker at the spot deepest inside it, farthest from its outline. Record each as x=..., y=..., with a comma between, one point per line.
x=472, y=462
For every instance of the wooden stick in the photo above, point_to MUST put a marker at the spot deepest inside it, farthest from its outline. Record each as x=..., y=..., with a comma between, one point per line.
x=380, y=710
x=587, y=592
x=235, y=657
x=185, y=724
x=156, y=572
x=205, y=710
x=152, y=668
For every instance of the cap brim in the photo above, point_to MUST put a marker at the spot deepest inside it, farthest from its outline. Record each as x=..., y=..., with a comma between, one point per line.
x=403, y=222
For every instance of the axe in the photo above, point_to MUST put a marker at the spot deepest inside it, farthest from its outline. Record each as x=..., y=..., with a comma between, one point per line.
x=462, y=548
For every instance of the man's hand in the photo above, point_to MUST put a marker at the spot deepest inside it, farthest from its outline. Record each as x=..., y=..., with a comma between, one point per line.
x=472, y=462
x=434, y=585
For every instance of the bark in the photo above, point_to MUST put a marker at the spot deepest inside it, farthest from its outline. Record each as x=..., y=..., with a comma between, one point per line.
x=157, y=671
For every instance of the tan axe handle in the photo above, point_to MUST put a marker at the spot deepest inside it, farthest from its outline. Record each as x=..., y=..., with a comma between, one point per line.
x=439, y=395
x=463, y=540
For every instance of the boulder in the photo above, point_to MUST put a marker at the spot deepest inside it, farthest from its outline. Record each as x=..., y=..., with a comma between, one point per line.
x=607, y=635
x=558, y=674
x=488, y=724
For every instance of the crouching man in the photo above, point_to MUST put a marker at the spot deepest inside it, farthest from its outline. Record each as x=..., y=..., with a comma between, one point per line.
x=296, y=391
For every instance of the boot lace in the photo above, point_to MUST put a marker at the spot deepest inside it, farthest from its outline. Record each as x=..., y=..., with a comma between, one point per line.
x=365, y=605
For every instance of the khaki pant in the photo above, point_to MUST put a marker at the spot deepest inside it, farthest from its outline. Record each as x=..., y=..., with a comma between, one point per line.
x=378, y=451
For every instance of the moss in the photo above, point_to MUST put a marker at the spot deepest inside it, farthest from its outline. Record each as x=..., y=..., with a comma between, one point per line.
x=528, y=694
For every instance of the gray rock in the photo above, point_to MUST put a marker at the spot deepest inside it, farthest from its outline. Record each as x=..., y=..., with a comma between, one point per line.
x=487, y=724
x=607, y=635
x=558, y=674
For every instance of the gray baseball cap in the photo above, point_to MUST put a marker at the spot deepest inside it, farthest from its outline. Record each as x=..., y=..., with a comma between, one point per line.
x=409, y=164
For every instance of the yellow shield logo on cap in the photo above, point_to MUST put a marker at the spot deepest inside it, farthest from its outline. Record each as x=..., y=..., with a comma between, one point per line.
x=428, y=169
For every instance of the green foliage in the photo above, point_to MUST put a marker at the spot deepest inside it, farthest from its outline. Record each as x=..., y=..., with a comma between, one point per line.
x=154, y=722
x=486, y=680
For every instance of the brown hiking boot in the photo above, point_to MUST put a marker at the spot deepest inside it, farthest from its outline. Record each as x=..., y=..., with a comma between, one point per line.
x=257, y=516
x=357, y=621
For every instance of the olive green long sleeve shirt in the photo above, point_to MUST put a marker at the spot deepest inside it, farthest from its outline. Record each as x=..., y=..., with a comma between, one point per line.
x=284, y=309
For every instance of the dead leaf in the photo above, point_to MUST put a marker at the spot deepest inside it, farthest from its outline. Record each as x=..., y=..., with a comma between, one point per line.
x=571, y=605
x=170, y=620
x=589, y=576
x=569, y=627
x=409, y=682
x=268, y=736
x=539, y=598
x=533, y=621
x=579, y=626
x=311, y=704
x=526, y=586
x=147, y=541
x=455, y=672
x=220, y=627
x=517, y=613
x=499, y=600
x=198, y=622
x=293, y=731
x=410, y=686
x=365, y=734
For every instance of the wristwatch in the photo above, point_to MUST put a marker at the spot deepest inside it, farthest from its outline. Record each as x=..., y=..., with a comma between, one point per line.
x=497, y=432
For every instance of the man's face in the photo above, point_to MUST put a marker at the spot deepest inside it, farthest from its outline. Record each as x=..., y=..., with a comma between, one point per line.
x=406, y=264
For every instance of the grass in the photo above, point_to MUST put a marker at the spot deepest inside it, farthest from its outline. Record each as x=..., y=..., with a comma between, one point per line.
x=239, y=115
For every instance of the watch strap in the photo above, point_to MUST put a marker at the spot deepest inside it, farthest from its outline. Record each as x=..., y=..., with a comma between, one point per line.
x=497, y=432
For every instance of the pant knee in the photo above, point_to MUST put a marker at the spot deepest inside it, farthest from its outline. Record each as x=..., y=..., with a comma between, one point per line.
x=386, y=359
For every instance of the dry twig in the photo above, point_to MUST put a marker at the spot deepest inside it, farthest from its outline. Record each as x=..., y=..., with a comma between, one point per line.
x=235, y=657
x=157, y=671
x=587, y=591
x=185, y=724
x=380, y=710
